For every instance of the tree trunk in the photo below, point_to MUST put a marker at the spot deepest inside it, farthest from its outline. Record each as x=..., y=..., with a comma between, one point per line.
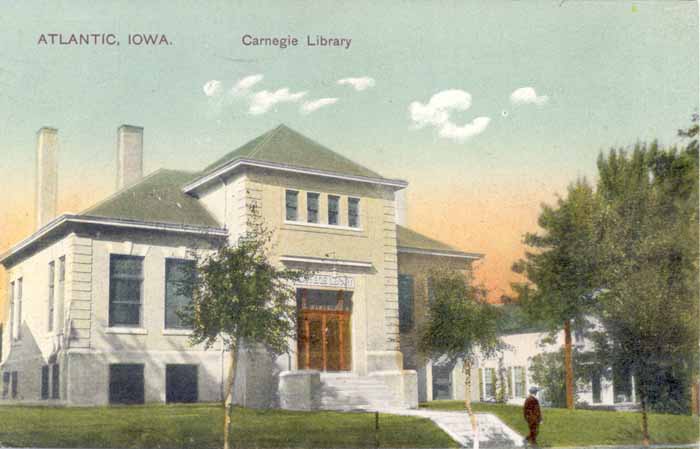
x=568, y=366
x=467, y=368
x=645, y=421
x=228, y=396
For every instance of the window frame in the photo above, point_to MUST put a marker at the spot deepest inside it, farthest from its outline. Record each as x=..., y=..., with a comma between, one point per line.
x=336, y=199
x=52, y=294
x=358, y=222
x=317, y=195
x=140, y=278
x=489, y=374
x=295, y=194
x=519, y=380
x=173, y=260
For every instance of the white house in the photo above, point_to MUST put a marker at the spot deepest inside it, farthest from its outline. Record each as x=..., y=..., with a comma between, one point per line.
x=92, y=307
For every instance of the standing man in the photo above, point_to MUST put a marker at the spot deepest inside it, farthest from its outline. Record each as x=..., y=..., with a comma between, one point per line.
x=533, y=415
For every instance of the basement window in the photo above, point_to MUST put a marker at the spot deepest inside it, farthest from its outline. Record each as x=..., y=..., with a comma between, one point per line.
x=181, y=383
x=126, y=384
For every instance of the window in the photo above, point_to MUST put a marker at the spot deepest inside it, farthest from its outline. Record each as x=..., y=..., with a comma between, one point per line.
x=13, y=318
x=178, y=292
x=55, y=381
x=489, y=383
x=125, y=280
x=126, y=384
x=52, y=271
x=181, y=383
x=312, y=207
x=333, y=207
x=45, y=382
x=405, y=302
x=61, y=291
x=519, y=381
x=5, y=384
x=14, y=385
x=291, y=205
x=0, y=342
x=596, y=387
x=18, y=298
x=354, y=212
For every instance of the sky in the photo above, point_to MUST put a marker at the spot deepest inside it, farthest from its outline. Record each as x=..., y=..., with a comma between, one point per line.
x=487, y=109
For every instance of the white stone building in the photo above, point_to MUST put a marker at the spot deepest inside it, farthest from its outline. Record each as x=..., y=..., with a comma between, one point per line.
x=92, y=304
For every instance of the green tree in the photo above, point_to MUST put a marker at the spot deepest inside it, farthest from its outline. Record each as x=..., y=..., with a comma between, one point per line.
x=649, y=261
x=460, y=325
x=561, y=268
x=238, y=296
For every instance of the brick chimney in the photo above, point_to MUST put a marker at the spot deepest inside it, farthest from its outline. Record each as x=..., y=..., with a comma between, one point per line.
x=46, y=175
x=129, y=155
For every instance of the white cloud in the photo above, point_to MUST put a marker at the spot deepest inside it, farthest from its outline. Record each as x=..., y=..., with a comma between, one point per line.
x=359, y=84
x=436, y=112
x=212, y=88
x=461, y=133
x=527, y=95
x=243, y=85
x=262, y=101
x=310, y=106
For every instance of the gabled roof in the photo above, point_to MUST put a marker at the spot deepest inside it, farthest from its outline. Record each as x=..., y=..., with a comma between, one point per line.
x=156, y=198
x=410, y=241
x=283, y=145
x=285, y=149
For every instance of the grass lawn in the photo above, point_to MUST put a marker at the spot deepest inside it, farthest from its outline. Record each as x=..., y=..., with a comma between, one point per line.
x=200, y=426
x=562, y=427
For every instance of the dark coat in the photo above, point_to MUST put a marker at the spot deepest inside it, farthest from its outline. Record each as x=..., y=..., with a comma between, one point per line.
x=531, y=410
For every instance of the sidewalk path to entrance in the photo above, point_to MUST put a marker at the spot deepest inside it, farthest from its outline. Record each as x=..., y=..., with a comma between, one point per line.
x=493, y=433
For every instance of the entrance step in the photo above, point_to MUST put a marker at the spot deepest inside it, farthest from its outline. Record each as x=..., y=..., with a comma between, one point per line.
x=344, y=391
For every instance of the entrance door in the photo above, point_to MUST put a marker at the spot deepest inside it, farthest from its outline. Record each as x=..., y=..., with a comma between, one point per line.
x=324, y=330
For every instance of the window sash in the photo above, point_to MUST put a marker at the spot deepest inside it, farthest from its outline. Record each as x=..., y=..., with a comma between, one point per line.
x=333, y=207
x=52, y=275
x=55, y=381
x=175, y=300
x=125, y=290
x=354, y=212
x=312, y=204
x=291, y=205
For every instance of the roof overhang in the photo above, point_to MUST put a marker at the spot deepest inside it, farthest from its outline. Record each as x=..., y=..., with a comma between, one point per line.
x=217, y=173
x=440, y=253
x=64, y=220
x=325, y=261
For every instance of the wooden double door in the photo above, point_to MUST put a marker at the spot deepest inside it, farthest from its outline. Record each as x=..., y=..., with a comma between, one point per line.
x=324, y=340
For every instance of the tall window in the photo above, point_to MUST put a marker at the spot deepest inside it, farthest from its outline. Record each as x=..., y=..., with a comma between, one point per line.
x=519, y=381
x=125, y=282
x=13, y=318
x=333, y=208
x=489, y=383
x=14, y=385
x=55, y=381
x=291, y=201
x=0, y=342
x=354, y=212
x=61, y=290
x=52, y=273
x=45, y=382
x=178, y=294
x=312, y=207
x=18, y=298
x=5, y=384
x=405, y=302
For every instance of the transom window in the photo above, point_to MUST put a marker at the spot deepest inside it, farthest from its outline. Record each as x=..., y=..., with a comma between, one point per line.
x=125, y=285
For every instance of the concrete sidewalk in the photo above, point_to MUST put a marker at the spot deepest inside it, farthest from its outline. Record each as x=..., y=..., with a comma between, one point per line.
x=493, y=433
